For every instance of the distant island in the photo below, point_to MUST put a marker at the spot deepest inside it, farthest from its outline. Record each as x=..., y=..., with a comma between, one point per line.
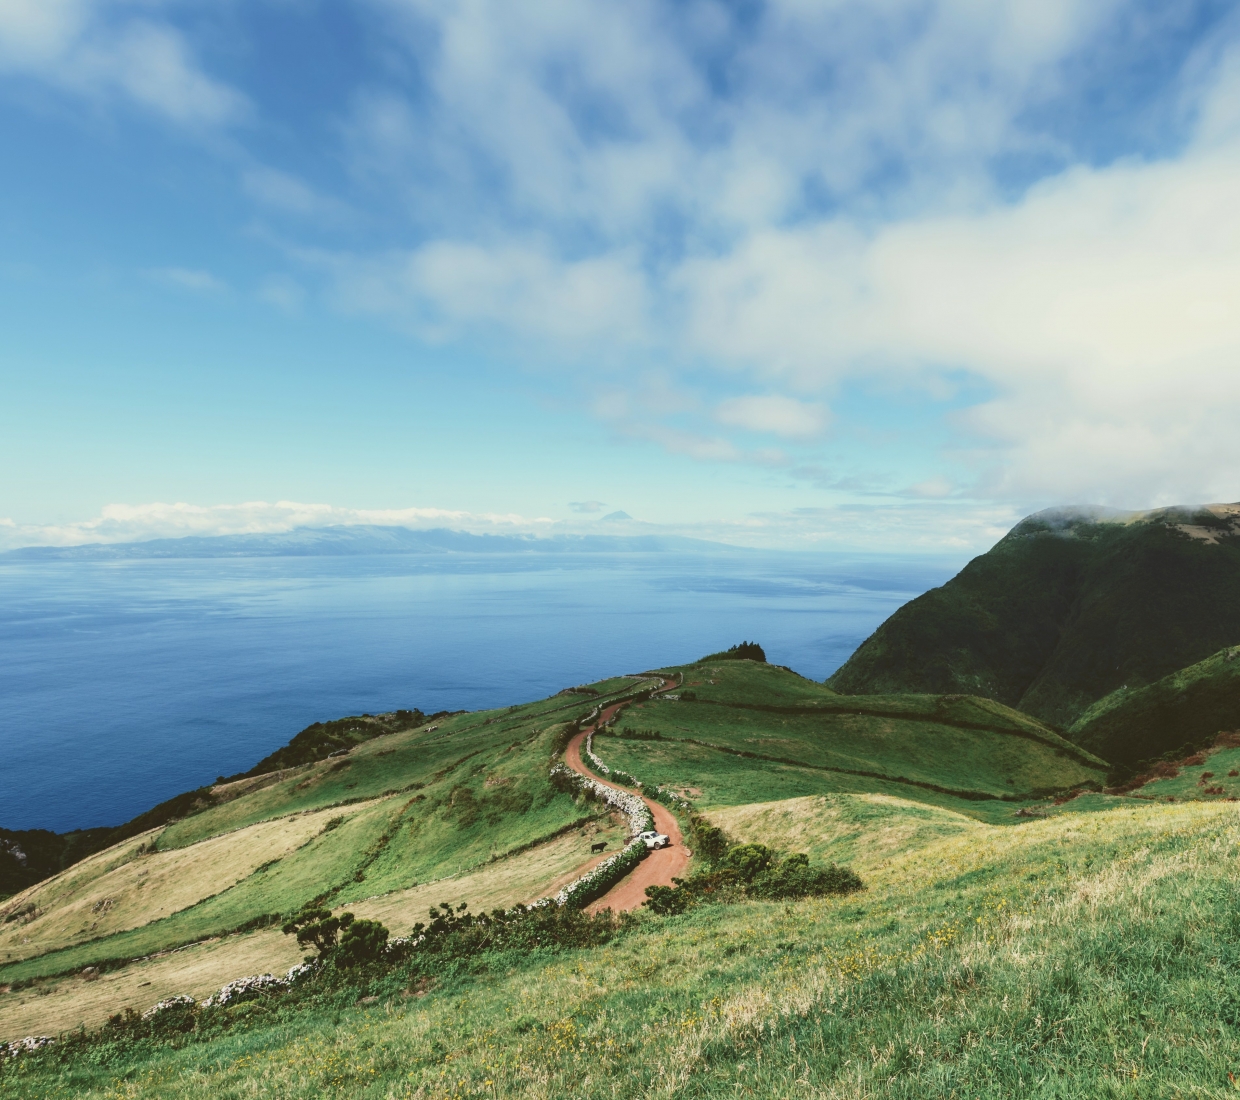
x=356, y=540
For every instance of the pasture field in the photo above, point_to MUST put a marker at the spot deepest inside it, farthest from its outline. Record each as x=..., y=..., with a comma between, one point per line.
x=1207, y=781
x=407, y=808
x=919, y=793
x=963, y=746
x=863, y=831
x=85, y=904
x=1076, y=957
x=61, y=1004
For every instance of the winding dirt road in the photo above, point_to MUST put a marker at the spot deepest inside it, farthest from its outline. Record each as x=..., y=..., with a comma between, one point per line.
x=660, y=866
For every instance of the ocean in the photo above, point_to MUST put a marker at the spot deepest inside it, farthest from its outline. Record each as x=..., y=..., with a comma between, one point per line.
x=123, y=683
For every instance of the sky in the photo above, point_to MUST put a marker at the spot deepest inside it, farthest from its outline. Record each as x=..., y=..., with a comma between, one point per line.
x=880, y=275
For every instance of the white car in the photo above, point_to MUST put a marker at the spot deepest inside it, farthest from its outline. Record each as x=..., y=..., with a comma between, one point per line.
x=654, y=840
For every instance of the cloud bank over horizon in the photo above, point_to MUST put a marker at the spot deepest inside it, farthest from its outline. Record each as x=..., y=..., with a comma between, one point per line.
x=924, y=258
x=882, y=530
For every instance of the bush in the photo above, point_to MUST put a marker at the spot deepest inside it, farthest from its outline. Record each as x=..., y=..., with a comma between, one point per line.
x=363, y=941
x=795, y=878
x=709, y=841
x=667, y=901
x=751, y=870
x=746, y=651
x=628, y=733
x=456, y=934
x=317, y=927
x=749, y=860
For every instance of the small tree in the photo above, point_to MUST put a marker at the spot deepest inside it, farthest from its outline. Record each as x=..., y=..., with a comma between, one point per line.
x=665, y=901
x=317, y=927
x=749, y=860
x=362, y=942
x=709, y=841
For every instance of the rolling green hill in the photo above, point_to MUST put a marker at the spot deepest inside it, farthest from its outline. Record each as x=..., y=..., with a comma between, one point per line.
x=1182, y=711
x=1065, y=609
x=990, y=954
x=1084, y=956
x=467, y=800
x=741, y=732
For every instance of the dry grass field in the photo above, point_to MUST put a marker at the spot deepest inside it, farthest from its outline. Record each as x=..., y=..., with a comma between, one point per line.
x=119, y=890
x=863, y=830
x=63, y=1004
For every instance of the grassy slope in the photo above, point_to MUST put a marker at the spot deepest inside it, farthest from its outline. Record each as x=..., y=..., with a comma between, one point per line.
x=799, y=738
x=63, y=1003
x=414, y=806
x=417, y=806
x=1053, y=618
x=863, y=831
x=1075, y=958
x=1185, y=709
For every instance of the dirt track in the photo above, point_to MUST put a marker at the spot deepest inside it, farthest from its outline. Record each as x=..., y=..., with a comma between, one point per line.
x=659, y=867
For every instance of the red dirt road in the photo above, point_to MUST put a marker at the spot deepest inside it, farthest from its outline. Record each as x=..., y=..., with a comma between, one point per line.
x=660, y=866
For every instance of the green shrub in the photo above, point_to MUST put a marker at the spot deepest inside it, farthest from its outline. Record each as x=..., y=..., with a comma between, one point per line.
x=795, y=878
x=317, y=927
x=457, y=934
x=751, y=870
x=709, y=841
x=363, y=941
x=667, y=901
x=749, y=860
x=746, y=651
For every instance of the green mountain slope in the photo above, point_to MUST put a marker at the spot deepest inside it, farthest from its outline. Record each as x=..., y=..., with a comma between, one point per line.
x=1183, y=710
x=1065, y=609
x=471, y=791
x=987, y=952
x=1082, y=957
x=742, y=732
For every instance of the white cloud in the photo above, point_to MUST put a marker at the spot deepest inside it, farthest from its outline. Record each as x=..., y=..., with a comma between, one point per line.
x=586, y=506
x=282, y=292
x=1100, y=308
x=96, y=49
x=553, y=147
x=930, y=527
x=187, y=278
x=771, y=413
x=290, y=194
x=133, y=523
x=446, y=288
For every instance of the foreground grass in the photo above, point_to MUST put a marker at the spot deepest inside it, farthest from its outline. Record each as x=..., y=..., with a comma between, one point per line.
x=1081, y=956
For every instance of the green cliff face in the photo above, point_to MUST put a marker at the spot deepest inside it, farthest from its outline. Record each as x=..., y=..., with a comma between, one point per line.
x=1066, y=609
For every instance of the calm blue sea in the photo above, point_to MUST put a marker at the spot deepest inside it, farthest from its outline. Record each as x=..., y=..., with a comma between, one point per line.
x=124, y=683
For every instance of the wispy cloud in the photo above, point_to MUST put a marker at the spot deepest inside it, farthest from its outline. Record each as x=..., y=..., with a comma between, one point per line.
x=101, y=49
x=139, y=522
x=898, y=528
x=774, y=414
x=187, y=278
x=586, y=507
x=585, y=186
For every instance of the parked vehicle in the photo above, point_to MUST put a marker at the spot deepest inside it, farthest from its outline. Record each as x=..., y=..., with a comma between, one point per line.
x=654, y=840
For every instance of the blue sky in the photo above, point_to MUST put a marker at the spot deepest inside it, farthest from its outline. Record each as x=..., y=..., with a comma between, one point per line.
x=874, y=275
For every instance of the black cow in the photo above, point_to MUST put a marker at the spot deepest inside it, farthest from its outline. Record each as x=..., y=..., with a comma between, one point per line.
x=599, y=847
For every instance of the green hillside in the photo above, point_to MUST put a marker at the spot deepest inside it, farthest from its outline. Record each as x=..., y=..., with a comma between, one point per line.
x=1010, y=940
x=1074, y=958
x=467, y=800
x=1064, y=610
x=742, y=732
x=1182, y=711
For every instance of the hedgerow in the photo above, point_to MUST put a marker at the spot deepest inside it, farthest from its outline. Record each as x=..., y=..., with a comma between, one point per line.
x=753, y=871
